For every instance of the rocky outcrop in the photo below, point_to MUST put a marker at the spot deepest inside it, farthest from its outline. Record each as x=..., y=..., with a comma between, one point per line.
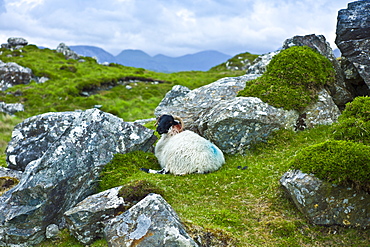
x=327, y=204
x=67, y=52
x=66, y=173
x=151, y=222
x=15, y=43
x=87, y=219
x=13, y=74
x=353, y=36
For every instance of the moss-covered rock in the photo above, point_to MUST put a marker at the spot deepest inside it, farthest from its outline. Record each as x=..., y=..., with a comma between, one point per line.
x=339, y=162
x=292, y=79
x=354, y=123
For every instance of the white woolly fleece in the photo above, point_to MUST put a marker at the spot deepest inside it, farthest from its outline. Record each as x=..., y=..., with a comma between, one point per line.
x=187, y=152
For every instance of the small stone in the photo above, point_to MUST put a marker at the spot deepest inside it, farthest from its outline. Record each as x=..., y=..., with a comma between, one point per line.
x=52, y=231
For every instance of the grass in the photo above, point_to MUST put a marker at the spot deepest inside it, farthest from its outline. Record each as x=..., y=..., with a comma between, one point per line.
x=241, y=207
x=7, y=124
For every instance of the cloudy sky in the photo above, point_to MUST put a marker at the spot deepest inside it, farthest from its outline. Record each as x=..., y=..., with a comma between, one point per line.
x=169, y=27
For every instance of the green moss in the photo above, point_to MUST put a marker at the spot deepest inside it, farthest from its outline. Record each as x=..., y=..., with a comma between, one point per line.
x=354, y=123
x=292, y=78
x=340, y=162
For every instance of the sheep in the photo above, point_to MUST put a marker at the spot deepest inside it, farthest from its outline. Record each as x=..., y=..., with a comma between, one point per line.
x=181, y=152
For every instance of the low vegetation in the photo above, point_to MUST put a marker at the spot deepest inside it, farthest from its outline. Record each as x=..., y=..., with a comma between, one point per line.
x=292, y=78
x=340, y=162
x=239, y=207
x=354, y=123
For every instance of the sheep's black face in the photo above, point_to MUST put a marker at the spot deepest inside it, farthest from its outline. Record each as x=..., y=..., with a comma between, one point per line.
x=164, y=123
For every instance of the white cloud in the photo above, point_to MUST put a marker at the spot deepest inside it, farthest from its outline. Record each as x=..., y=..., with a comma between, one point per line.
x=170, y=27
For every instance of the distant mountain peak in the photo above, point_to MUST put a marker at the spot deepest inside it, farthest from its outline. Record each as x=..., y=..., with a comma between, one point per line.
x=202, y=61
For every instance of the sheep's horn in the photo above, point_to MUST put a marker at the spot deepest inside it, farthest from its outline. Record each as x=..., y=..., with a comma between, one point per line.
x=157, y=120
x=181, y=122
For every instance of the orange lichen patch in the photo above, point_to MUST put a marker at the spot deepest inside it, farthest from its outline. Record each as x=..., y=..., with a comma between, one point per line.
x=138, y=241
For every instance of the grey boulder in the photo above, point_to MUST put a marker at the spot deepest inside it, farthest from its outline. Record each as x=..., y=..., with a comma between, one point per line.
x=236, y=125
x=86, y=220
x=327, y=204
x=151, y=222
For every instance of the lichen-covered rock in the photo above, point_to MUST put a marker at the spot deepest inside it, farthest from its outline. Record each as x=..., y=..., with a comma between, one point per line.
x=65, y=174
x=353, y=36
x=32, y=137
x=6, y=172
x=260, y=63
x=151, y=222
x=11, y=108
x=236, y=125
x=86, y=220
x=13, y=74
x=324, y=203
x=323, y=112
x=190, y=105
x=172, y=100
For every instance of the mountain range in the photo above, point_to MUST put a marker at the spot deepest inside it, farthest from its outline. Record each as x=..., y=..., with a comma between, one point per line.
x=201, y=61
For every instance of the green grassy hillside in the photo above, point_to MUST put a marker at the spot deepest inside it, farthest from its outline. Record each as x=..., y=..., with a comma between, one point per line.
x=241, y=207
x=69, y=78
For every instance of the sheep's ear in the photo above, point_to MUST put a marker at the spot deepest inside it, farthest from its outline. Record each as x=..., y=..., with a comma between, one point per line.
x=181, y=122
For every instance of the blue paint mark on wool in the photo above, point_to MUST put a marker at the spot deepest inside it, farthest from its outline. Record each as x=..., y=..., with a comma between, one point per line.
x=214, y=149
